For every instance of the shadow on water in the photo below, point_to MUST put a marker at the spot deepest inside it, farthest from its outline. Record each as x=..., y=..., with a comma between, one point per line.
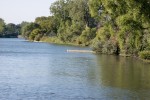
x=125, y=73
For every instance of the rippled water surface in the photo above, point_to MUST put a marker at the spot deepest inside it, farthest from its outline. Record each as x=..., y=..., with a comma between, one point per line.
x=42, y=71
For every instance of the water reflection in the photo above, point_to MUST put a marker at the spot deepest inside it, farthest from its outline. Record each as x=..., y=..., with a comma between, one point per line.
x=41, y=71
x=127, y=73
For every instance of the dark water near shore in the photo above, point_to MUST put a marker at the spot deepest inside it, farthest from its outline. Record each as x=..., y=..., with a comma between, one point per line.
x=42, y=71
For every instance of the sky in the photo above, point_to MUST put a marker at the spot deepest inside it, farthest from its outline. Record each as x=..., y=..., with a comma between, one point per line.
x=16, y=11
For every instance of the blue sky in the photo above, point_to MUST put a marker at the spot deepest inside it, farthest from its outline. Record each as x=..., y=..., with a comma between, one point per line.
x=16, y=11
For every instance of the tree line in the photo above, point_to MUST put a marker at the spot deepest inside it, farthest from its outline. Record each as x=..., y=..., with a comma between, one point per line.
x=70, y=22
x=109, y=26
x=9, y=30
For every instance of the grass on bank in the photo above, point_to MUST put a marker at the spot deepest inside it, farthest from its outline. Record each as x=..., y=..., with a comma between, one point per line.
x=145, y=56
x=56, y=40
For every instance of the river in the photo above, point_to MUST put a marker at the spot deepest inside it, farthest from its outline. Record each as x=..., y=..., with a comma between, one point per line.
x=43, y=71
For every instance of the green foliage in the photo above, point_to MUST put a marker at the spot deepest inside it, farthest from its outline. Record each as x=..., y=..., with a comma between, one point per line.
x=108, y=47
x=48, y=25
x=68, y=23
x=2, y=26
x=95, y=7
x=52, y=40
x=27, y=29
x=103, y=34
x=9, y=30
x=78, y=9
x=23, y=26
x=59, y=9
x=145, y=55
x=73, y=17
x=124, y=22
x=87, y=36
x=35, y=34
x=111, y=26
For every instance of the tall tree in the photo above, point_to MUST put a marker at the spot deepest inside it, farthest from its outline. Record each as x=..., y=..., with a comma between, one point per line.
x=125, y=22
x=2, y=27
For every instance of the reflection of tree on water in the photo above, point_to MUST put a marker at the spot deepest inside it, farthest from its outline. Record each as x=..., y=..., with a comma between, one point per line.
x=123, y=72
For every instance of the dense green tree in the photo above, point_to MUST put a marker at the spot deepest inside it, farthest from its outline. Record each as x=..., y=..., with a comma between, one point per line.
x=48, y=25
x=124, y=23
x=36, y=34
x=11, y=30
x=23, y=25
x=59, y=9
x=73, y=17
x=28, y=29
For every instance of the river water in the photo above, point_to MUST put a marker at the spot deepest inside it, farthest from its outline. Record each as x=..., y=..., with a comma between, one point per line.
x=42, y=71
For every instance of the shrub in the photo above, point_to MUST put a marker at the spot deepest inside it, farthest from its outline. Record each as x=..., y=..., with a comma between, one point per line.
x=145, y=55
x=87, y=35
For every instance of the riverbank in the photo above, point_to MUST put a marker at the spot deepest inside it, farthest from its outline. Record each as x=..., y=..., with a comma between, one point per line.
x=58, y=41
x=55, y=40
